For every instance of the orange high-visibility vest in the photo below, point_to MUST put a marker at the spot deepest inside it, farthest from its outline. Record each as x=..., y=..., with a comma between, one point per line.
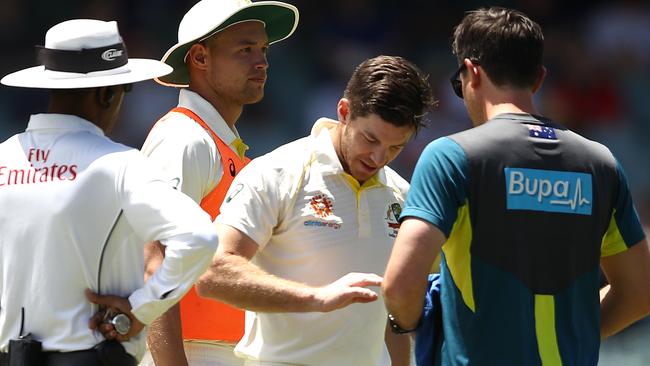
x=202, y=318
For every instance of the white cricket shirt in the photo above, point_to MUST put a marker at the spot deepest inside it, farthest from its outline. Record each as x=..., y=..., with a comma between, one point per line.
x=63, y=185
x=314, y=224
x=186, y=152
x=190, y=160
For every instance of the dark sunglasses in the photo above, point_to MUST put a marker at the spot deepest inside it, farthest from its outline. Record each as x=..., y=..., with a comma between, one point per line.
x=456, y=84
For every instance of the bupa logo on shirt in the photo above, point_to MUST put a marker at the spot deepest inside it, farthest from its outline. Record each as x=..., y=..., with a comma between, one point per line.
x=548, y=190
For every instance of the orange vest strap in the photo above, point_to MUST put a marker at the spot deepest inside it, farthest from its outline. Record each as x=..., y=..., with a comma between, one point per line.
x=202, y=318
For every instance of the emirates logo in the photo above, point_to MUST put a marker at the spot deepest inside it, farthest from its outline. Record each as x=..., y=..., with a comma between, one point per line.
x=321, y=205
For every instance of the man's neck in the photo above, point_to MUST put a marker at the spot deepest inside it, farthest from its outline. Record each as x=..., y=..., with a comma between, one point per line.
x=228, y=110
x=515, y=102
x=80, y=108
x=335, y=135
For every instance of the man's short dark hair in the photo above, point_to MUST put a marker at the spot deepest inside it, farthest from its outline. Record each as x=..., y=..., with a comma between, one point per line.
x=392, y=88
x=505, y=43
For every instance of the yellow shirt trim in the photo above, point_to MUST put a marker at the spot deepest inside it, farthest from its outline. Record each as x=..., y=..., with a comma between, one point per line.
x=458, y=258
x=240, y=147
x=357, y=188
x=613, y=242
x=545, y=330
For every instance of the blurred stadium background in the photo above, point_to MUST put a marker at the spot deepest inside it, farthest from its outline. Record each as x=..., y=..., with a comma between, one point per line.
x=597, y=55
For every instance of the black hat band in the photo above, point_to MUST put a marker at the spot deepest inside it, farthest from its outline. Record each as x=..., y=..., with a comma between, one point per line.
x=83, y=61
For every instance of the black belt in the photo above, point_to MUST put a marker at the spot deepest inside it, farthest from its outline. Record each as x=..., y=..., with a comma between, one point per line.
x=90, y=357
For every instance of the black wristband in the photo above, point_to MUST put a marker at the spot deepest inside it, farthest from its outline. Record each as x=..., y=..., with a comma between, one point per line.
x=395, y=328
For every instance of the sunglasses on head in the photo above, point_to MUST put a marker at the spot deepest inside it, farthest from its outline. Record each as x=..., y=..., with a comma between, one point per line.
x=456, y=84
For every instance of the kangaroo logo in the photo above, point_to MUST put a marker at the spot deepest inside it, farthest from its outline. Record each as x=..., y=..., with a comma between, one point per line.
x=393, y=212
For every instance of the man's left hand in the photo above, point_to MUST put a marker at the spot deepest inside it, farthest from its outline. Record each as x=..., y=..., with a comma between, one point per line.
x=110, y=306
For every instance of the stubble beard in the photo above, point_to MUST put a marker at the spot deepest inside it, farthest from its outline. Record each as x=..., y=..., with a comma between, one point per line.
x=344, y=148
x=252, y=95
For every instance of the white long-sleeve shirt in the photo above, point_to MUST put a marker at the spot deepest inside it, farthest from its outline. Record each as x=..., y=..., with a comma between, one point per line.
x=63, y=185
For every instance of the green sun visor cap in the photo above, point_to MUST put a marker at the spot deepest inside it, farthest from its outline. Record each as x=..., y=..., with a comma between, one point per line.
x=280, y=22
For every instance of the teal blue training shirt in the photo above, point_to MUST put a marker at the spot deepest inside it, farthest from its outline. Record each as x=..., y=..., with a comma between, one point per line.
x=528, y=208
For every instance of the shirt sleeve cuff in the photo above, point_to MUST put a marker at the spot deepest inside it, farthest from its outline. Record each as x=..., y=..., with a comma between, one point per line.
x=426, y=216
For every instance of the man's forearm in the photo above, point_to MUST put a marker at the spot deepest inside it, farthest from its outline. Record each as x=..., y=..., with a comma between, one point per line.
x=238, y=282
x=165, y=339
x=187, y=256
x=628, y=299
x=406, y=304
x=617, y=311
x=405, y=281
x=399, y=348
x=233, y=279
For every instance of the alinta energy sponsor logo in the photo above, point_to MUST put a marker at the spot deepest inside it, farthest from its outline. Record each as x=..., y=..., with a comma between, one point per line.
x=548, y=190
x=316, y=223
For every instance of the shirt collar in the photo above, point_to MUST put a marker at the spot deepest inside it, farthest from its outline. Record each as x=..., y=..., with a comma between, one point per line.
x=522, y=117
x=197, y=104
x=54, y=121
x=328, y=160
x=324, y=152
x=239, y=147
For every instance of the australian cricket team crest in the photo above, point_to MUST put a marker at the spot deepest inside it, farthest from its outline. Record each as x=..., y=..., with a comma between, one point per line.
x=322, y=207
x=392, y=216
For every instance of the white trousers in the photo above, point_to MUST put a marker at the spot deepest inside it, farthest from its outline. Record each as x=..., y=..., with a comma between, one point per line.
x=204, y=354
x=261, y=363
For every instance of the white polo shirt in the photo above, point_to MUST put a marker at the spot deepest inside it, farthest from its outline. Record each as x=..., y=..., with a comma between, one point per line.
x=63, y=185
x=186, y=152
x=314, y=224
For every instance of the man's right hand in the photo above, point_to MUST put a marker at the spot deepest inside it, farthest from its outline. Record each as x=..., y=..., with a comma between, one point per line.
x=234, y=279
x=349, y=289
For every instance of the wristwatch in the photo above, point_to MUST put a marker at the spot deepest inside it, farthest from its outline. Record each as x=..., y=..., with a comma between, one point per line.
x=121, y=323
x=396, y=328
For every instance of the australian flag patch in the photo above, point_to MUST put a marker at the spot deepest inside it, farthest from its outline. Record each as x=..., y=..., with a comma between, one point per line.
x=542, y=132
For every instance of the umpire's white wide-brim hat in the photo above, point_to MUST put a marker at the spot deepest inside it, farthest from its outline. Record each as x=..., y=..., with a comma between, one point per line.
x=84, y=53
x=207, y=17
